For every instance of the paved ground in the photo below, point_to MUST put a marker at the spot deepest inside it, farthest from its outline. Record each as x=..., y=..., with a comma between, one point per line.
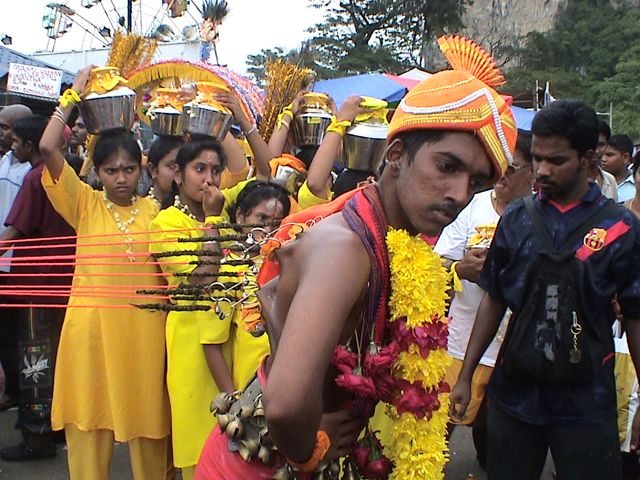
x=463, y=465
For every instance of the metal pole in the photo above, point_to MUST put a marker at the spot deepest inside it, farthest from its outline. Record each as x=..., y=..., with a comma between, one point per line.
x=129, y=15
x=611, y=116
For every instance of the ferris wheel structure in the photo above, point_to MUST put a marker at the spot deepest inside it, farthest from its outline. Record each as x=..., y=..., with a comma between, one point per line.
x=165, y=20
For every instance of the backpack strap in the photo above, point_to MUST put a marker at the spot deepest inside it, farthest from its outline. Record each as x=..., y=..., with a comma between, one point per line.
x=538, y=225
x=573, y=236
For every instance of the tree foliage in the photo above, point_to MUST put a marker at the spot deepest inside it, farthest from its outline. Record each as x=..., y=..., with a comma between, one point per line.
x=591, y=54
x=358, y=36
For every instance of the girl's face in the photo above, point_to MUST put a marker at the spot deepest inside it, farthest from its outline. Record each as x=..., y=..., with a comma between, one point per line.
x=163, y=174
x=268, y=212
x=205, y=169
x=119, y=175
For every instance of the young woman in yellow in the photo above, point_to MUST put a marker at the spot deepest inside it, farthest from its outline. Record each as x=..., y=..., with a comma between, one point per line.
x=198, y=347
x=109, y=378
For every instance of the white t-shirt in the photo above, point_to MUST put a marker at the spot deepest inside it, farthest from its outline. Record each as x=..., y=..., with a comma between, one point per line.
x=12, y=174
x=453, y=244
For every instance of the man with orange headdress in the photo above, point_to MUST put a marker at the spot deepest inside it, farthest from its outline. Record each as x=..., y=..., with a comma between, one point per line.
x=354, y=308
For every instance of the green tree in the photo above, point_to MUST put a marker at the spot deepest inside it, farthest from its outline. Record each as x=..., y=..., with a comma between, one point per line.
x=590, y=54
x=368, y=35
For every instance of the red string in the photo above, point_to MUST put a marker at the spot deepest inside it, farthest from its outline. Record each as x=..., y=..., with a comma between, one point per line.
x=71, y=274
x=46, y=305
x=100, y=235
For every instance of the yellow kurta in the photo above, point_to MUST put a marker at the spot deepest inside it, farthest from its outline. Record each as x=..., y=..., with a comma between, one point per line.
x=111, y=361
x=191, y=386
x=307, y=199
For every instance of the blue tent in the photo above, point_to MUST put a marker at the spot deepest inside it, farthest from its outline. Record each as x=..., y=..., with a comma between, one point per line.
x=523, y=118
x=369, y=84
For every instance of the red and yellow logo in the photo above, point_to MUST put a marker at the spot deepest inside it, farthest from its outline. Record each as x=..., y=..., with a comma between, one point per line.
x=596, y=239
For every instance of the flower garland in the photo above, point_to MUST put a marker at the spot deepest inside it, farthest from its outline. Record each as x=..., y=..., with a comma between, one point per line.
x=124, y=226
x=417, y=305
x=408, y=371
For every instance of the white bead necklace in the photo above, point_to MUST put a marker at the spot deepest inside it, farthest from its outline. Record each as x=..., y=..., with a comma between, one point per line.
x=124, y=226
x=183, y=208
x=152, y=196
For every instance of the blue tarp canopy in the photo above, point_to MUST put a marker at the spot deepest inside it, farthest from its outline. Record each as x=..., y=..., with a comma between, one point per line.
x=523, y=118
x=369, y=84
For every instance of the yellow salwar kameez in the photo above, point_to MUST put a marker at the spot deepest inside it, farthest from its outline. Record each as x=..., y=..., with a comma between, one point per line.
x=111, y=361
x=191, y=385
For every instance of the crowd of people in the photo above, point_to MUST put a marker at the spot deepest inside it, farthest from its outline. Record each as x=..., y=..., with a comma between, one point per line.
x=231, y=322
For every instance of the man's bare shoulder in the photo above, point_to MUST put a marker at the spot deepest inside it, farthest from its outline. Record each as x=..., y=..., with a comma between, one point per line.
x=332, y=235
x=328, y=244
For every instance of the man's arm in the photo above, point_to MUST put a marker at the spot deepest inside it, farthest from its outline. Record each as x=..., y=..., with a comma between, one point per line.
x=334, y=270
x=490, y=313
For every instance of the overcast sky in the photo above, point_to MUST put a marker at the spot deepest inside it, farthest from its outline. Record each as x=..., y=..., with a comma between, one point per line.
x=250, y=26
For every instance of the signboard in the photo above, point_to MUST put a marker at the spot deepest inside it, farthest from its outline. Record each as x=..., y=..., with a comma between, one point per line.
x=42, y=82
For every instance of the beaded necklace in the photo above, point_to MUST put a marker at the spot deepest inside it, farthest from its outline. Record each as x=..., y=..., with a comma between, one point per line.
x=124, y=226
x=183, y=208
x=152, y=196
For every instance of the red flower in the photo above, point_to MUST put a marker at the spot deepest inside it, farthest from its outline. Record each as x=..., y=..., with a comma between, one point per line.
x=378, y=469
x=430, y=336
x=357, y=384
x=344, y=359
x=368, y=457
x=382, y=361
x=360, y=455
x=387, y=387
x=416, y=400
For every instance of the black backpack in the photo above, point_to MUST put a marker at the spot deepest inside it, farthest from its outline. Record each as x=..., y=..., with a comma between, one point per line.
x=553, y=338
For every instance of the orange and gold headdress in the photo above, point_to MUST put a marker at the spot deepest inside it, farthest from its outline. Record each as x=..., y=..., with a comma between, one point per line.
x=462, y=99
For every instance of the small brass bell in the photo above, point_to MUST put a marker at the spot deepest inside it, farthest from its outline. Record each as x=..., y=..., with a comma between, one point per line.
x=265, y=438
x=244, y=452
x=246, y=411
x=284, y=473
x=222, y=403
x=224, y=419
x=264, y=454
x=235, y=429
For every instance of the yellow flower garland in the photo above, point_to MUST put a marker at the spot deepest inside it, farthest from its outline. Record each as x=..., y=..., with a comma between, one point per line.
x=419, y=283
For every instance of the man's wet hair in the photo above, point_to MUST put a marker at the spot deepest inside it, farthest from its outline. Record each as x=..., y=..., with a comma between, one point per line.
x=604, y=129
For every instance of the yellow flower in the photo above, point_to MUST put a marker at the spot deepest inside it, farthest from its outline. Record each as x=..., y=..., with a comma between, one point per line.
x=422, y=454
x=430, y=371
x=418, y=279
